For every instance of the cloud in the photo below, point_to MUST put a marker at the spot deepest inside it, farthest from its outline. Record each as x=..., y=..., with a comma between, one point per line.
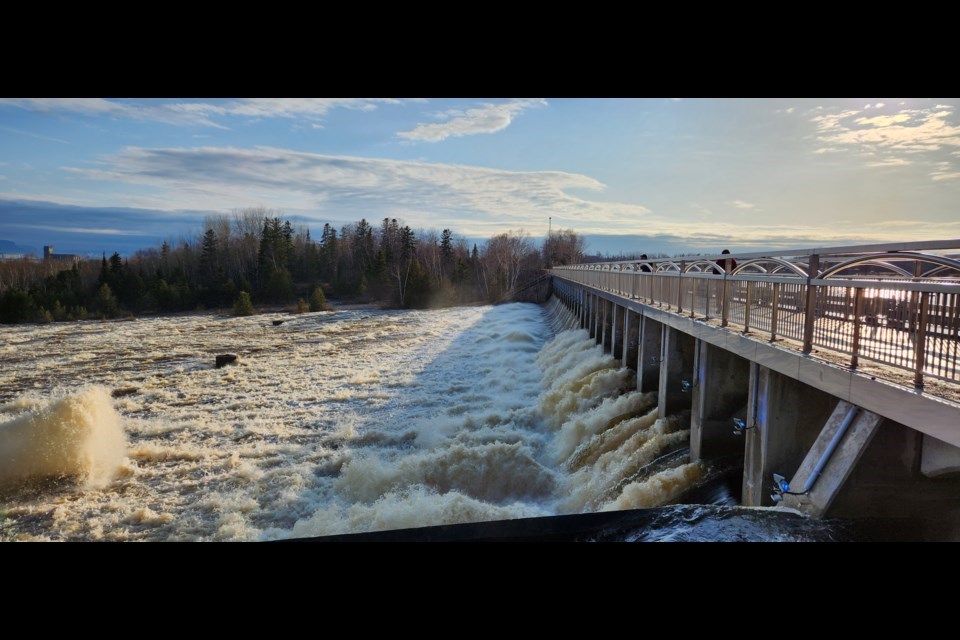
x=83, y=230
x=939, y=175
x=488, y=118
x=892, y=139
x=740, y=204
x=884, y=121
x=474, y=201
x=889, y=162
x=225, y=177
x=30, y=134
x=197, y=112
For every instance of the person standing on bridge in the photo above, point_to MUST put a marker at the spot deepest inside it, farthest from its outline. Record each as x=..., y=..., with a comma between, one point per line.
x=645, y=266
x=729, y=264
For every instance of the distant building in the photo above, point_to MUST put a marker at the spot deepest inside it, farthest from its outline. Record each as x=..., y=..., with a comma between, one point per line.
x=48, y=254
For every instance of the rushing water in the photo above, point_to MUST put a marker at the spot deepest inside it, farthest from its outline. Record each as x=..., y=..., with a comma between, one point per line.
x=337, y=422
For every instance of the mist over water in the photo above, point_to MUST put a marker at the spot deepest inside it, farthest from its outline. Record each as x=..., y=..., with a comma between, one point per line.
x=331, y=423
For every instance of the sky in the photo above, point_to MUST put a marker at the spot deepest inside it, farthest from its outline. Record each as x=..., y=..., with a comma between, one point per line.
x=90, y=175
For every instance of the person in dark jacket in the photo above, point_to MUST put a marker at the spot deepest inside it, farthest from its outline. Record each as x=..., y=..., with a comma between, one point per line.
x=731, y=263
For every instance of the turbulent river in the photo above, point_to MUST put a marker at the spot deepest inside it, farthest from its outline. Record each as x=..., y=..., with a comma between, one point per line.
x=348, y=421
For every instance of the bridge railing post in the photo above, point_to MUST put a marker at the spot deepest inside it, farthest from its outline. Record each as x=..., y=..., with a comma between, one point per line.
x=857, y=312
x=746, y=308
x=724, y=302
x=774, y=311
x=921, y=337
x=809, y=317
x=680, y=287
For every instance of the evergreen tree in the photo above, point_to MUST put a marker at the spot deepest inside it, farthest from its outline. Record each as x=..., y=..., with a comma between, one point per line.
x=105, y=301
x=408, y=244
x=243, y=306
x=116, y=264
x=208, y=257
x=446, y=245
x=318, y=301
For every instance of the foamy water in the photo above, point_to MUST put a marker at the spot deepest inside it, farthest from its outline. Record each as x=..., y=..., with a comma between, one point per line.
x=330, y=423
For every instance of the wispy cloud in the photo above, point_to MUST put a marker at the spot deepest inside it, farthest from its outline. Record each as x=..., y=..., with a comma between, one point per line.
x=488, y=118
x=30, y=134
x=890, y=162
x=84, y=230
x=201, y=113
x=740, y=204
x=894, y=138
x=225, y=177
x=941, y=175
x=476, y=201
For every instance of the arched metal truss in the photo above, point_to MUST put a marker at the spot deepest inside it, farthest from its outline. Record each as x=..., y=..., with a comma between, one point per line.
x=885, y=260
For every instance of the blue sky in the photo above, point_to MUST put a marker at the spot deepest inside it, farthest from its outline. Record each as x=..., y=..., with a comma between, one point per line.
x=92, y=175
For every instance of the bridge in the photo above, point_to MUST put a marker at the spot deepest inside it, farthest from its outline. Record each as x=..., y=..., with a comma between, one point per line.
x=835, y=371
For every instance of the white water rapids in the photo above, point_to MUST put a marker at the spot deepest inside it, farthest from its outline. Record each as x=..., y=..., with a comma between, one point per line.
x=355, y=420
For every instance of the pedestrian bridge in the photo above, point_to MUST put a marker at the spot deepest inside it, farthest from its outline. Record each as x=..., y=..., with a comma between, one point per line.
x=800, y=357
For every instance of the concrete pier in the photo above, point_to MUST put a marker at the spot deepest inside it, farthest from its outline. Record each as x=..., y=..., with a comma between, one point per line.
x=631, y=338
x=721, y=387
x=789, y=417
x=617, y=337
x=676, y=372
x=649, y=354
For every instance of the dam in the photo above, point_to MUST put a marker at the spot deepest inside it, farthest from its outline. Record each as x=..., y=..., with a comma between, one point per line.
x=646, y=400
x=834, y=371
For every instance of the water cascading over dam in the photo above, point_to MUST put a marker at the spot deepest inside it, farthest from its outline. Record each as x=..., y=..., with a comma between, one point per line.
x=332, y=423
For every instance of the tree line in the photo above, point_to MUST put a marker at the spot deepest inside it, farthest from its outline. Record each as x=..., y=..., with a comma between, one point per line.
x=259, y=253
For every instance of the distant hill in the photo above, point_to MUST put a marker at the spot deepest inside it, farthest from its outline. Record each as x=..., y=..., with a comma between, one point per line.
x=8, y=246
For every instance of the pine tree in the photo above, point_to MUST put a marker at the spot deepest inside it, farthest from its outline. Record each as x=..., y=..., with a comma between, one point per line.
x=408, y=244
x=106, y=302
x=318, y=301
x=208, y=257
x=243, y=305
x=446, y=245
x=116, y=264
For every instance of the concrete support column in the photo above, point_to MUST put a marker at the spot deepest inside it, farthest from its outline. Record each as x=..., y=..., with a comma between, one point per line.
x=676, y=366
x=601, y=317
x=619, y=313
x=720, y=388
x=597, y=318
x=648, y=354
x=631, y=338
x=581, y=292
x=579, y=298
x=592, y=314
x=789, y=416
x=607, y=337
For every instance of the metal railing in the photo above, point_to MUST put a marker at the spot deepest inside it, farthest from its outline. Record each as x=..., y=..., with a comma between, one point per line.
x=898, y=305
